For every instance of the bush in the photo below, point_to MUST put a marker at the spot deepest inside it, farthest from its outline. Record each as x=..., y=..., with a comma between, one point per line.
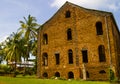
x=4, y=69
x=7, y=69
x=111, y=75
x=28, y=71
x=2, y=72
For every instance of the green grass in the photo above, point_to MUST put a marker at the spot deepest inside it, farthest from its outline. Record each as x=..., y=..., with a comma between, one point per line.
x=33, y=80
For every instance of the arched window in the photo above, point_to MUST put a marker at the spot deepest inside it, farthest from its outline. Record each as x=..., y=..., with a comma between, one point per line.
x=101, y=52
x=45, y=39
x=102, y=72
x=45, y=59
x=57, y=74
x=70, y=56
x=70, y=75
x=45, y=75
x=99, y=28
x=69, y=34
x=68, y=14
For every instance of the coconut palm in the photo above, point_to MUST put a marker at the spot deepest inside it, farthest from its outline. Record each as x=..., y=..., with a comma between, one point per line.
x=20, y=44
x=29, y=30
x=12, y=49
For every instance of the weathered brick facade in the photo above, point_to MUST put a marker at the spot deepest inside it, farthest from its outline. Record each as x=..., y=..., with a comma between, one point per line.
x=79, y=43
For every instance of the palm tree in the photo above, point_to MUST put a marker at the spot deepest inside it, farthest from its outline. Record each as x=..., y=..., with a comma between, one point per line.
x=29, y=30
x=12, y=49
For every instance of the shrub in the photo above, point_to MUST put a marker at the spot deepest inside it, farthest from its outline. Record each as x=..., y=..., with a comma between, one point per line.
x=111, y=75
x=2, y=72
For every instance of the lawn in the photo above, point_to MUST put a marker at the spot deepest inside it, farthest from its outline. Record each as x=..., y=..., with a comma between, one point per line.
x=32, y=80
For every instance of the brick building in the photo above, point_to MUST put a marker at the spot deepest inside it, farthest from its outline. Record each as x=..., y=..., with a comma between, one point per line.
x=79, y=43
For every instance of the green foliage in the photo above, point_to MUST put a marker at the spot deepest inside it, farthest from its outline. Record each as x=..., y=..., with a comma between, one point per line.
x=21, y=44
x=4, y=69
x=29, y=71
x=111, y=75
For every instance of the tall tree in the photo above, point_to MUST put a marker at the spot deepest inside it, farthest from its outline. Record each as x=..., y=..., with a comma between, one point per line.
x=13, y=48
x=29, y=30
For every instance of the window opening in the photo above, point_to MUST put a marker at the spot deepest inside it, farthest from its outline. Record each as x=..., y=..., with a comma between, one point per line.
x=70, y=56
x=45, y=59
x=69, y=34
x=87, y=74
x=84, y=56
x=57, y=57
x=101, y=51
x=45, y=75
x=57, y=74
x=102, y=72
x=68, y=14
x=70, y=75
x=99, y=28
x=45, y=39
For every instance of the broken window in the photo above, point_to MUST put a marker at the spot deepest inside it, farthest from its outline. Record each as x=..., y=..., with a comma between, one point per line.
x=69, y=34
x=68, y=14
x=84, y=56
x=45, y=39
x=101, y=52
x=45, y=59
x=99, y=28
x=57, y=57
x=70, y=56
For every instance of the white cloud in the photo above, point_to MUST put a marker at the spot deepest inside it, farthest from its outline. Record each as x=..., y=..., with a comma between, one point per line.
x=3, y=37
x=94, y=4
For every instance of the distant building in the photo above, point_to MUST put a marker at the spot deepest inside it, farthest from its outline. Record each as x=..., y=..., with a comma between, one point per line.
x=79, y=43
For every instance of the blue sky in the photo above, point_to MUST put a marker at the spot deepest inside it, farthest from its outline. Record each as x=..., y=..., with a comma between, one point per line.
x=12, y=11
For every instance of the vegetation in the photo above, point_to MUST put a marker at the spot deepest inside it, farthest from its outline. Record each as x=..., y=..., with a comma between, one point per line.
x=20, y=44
x=4, y=69
x=32, y=80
